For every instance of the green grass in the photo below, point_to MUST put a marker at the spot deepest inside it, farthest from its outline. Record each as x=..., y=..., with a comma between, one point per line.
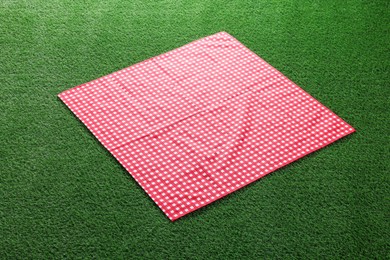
x=62, y=195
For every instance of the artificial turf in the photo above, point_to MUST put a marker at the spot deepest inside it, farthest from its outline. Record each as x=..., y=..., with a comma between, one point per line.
x=62, y=195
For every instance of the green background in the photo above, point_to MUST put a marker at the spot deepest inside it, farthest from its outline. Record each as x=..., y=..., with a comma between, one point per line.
x=63, y=195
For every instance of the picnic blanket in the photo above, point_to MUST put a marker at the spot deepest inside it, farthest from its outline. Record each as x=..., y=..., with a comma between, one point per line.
x=199, y=122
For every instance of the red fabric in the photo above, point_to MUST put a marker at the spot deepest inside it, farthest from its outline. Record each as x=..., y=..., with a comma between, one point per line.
x=201, y=121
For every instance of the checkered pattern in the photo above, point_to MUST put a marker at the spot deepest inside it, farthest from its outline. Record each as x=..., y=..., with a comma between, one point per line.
x=201, y=121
